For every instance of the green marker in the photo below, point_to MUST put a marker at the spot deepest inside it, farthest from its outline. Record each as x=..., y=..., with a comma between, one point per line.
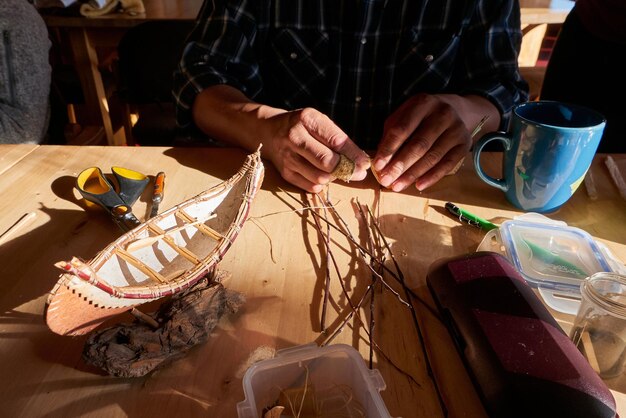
x=470, y=218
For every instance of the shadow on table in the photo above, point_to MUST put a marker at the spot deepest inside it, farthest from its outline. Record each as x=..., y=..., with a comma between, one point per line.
x=194, y=384
x=67, y=233
x=29, y=273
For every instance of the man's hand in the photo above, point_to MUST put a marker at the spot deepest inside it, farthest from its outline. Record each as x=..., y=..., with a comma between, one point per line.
x=305, y=148
x=305, y=145
x=425, y=138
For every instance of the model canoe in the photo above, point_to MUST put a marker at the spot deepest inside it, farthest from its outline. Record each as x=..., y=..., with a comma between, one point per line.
x=160, y=257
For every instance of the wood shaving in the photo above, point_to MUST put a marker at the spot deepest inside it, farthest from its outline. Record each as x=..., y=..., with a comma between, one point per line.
x=262, y=352
x=616, y=175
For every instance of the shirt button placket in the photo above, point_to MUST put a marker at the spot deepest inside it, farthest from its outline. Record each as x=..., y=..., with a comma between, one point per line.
x=358, y=99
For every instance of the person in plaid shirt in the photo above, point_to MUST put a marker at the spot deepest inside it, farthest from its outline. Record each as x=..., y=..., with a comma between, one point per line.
x=313, y=79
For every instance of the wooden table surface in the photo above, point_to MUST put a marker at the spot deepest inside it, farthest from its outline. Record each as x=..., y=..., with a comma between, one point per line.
x=277, y=263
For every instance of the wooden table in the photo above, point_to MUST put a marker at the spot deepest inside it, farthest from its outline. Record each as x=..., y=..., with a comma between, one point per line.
x=12, y=155
x=87, y=34
x=277, y=263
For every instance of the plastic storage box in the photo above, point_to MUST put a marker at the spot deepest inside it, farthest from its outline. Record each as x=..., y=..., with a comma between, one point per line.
x=551, y=256
x=333, y=379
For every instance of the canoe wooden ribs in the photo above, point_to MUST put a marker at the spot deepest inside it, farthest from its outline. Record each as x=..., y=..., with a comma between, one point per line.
x=161, y=257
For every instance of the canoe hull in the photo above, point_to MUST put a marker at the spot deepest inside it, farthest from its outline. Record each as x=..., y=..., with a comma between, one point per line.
x=161, y=257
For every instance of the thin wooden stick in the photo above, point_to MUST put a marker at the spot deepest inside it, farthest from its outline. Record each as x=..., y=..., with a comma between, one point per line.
x=479, y=127
x=379, y=272
x=267, y=234
x=355, y=310
x=360, y=247
x=350, y=315
x=332, y=259
x=416, y=324
x=372, y=322
x=206, y=230
x=590, y=352
x=590, y=185
x=24, y=220
x=366, y=252
x=327, y=279
x=140, y=265
x=145, y=318
x=353, y=241
x=616, y=175
x=475, y=132
x=403, y=282
x=184, y=251
x=363, y=252
x=400, y=276
x=330, y=255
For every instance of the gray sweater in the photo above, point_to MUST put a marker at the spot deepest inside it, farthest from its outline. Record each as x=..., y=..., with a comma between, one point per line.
x=24, y=73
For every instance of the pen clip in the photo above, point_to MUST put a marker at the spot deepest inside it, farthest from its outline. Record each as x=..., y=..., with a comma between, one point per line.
x=469, y=218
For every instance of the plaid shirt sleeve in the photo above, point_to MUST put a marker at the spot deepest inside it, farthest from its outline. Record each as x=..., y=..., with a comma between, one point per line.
x=218, y=52
x=492, y=42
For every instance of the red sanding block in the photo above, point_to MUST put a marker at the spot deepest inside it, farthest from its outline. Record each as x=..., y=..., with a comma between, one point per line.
x=521, y=361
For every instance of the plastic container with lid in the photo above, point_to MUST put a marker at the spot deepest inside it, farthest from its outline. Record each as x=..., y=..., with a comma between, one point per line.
x=551, y=256
x=334, y=379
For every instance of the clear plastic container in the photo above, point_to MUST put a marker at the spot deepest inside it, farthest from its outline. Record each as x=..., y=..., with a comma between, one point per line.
x=333, y=381
x=551, y=256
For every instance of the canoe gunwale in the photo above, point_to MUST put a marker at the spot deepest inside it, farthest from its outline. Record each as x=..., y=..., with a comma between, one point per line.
x=191, y=276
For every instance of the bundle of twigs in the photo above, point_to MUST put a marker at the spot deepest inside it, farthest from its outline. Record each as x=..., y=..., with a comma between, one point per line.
x=374, y=253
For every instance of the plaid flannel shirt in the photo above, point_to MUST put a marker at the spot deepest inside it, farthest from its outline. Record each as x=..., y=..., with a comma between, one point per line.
x=354, y=60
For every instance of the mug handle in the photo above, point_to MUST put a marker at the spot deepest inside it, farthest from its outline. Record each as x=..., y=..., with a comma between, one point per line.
x=493, y=136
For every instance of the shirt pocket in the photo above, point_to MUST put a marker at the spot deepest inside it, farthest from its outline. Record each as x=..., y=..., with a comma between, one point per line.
x=7, y=72
x=427, y=62
x=297, y=67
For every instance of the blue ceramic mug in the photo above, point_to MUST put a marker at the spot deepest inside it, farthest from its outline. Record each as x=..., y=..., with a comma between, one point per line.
x=547, y=152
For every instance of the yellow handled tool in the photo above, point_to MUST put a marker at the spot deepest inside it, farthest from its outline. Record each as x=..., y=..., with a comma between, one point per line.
x=96, y=188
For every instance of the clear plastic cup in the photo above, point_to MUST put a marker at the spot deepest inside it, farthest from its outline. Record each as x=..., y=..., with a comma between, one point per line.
x=599, y=330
